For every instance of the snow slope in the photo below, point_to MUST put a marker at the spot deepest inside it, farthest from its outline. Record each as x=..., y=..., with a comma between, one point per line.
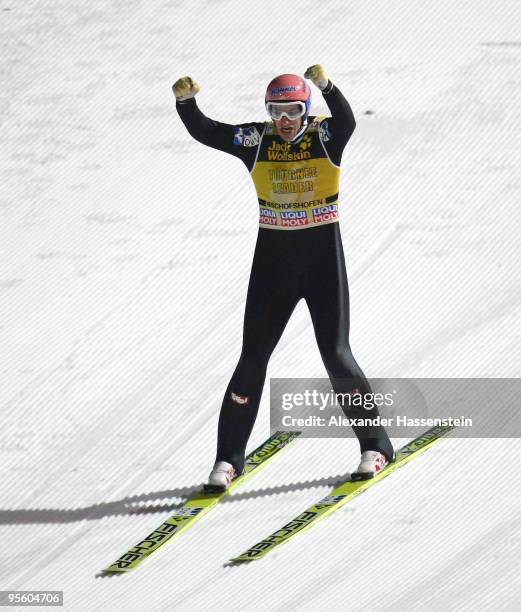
x=122, y=291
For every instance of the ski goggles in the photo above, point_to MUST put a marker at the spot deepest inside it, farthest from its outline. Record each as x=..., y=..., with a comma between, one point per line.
x=291, y=110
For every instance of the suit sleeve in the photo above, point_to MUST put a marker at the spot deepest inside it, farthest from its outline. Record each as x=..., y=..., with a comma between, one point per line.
x=337, y=129
x=239, y=140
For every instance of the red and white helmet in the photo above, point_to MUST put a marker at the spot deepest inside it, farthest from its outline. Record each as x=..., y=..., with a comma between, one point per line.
x=289, y=88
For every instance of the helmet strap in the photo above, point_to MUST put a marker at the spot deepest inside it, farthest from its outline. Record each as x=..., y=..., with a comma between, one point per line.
x=300, y=133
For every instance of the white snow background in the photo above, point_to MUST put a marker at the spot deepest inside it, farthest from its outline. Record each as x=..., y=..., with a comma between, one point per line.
x=125, y=250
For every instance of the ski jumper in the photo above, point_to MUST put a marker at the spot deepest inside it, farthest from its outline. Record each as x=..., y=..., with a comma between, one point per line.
x=298, y=255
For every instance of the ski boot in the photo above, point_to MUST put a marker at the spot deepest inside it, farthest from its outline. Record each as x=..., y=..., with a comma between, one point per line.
x=220, y=477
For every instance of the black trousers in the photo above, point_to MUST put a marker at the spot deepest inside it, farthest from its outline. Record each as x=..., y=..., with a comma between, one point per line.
x=288, y=266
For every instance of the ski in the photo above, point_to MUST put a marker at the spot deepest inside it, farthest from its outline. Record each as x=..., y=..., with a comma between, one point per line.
x=339, y=496
x=197, y=506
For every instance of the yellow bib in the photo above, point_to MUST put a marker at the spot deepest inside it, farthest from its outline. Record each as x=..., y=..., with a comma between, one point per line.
x=297, y=185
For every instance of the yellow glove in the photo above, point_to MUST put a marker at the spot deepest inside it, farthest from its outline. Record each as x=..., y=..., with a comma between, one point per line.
x=185, y=88
x=317, y=75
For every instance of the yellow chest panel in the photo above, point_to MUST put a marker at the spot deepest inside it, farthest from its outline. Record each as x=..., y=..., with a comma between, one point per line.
x=297, y=185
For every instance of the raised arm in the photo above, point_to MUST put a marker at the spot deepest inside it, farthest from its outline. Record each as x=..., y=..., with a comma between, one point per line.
x=238, y=140
x=339, y=128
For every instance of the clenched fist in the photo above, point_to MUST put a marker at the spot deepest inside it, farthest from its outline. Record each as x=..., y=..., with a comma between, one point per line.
x=185, y=88
x=317, y=75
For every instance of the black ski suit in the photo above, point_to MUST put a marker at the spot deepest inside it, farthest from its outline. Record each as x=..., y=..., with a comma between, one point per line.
x=298, y=255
